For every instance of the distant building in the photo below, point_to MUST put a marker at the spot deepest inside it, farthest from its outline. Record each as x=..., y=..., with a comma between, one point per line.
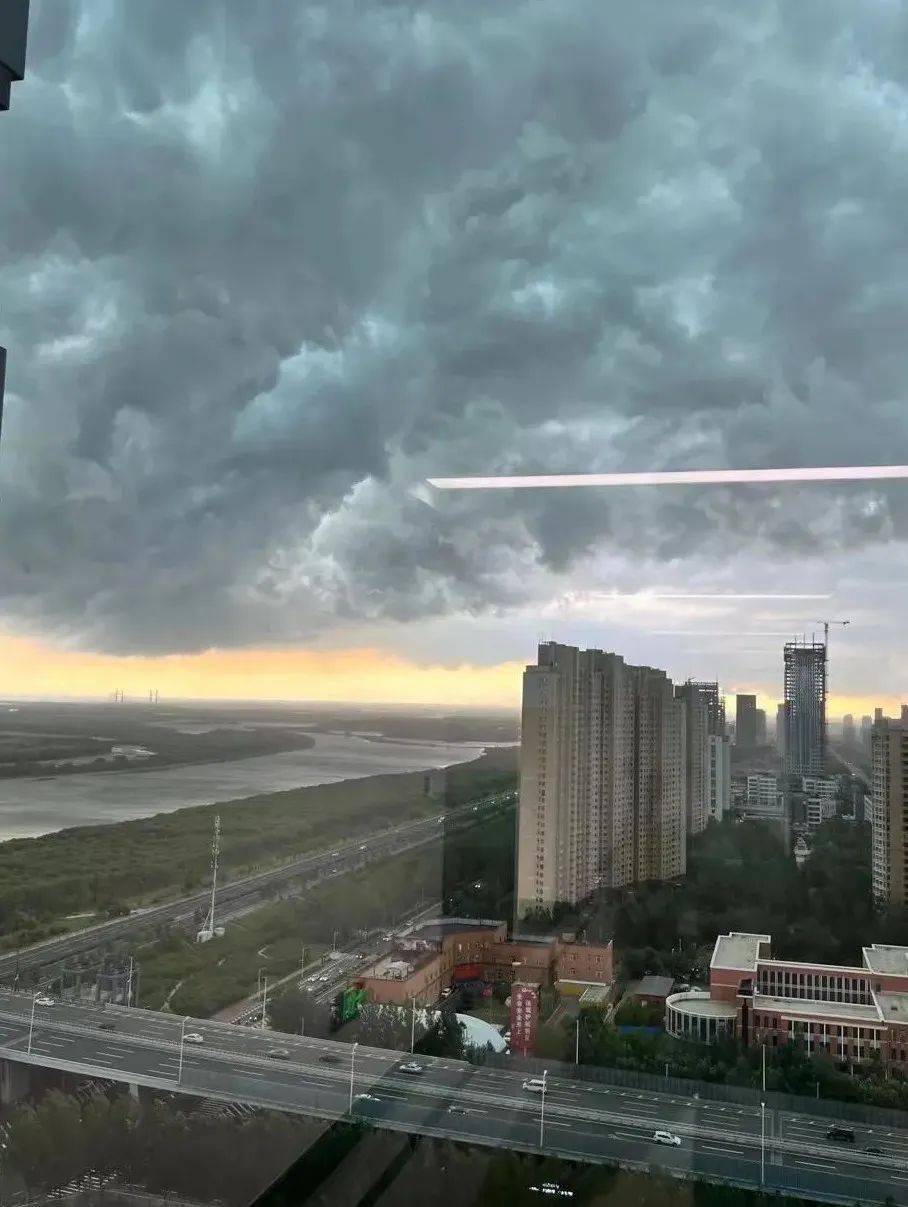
x=602, y=777
x=851, y=1015
x=781, y=724
x=745, y=722
x=824, y=786
x=13, y=35
x=819, y=809
x=436, y=955
x=697, y=723
x=866, y=730
x=848, y=733
x=890, y=809
x=760, y=727
x=763, y=797
x=719, y=776
x=805, y=707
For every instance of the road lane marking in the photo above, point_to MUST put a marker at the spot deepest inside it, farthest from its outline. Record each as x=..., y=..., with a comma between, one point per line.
x=813, y=1165
x=715, y=1148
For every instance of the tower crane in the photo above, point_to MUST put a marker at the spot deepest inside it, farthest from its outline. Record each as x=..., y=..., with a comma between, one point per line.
x=826, y=624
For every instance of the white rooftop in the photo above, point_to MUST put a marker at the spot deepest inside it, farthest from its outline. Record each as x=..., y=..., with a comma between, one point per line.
x=701, y=1005
x=887, y=958
x=894, y=1007
x=738, y=950
x=812, y=1008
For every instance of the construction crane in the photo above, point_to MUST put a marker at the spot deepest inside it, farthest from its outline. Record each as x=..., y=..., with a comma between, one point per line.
x=826, y=624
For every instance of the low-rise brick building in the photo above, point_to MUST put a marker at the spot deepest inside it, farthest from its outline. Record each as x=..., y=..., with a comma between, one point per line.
x=438, y=954
x=853, y=1014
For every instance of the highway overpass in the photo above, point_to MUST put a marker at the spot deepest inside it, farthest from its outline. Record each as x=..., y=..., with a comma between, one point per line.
x=584, y=1120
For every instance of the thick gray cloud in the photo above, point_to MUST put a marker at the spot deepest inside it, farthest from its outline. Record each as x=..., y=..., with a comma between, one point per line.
x=265, y=268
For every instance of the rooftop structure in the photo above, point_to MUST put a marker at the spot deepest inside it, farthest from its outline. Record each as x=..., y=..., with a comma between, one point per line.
x=739, y=950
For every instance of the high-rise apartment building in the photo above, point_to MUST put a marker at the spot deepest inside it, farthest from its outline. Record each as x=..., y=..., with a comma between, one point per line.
x=719, y=776
x=805, y=707
x=848, y=729
x=718, y=752
x=13, y=31
x=745, y=722
x=889, y=754
x=602, y=777
x=698, y=765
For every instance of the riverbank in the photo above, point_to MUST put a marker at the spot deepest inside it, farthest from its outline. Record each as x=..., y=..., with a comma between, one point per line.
x=111, y=868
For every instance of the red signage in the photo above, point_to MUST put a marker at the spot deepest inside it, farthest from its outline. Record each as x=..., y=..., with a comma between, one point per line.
x=467, y=972
x=524, y=1018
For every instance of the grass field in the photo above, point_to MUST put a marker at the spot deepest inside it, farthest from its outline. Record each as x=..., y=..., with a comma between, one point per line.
x=108, y=868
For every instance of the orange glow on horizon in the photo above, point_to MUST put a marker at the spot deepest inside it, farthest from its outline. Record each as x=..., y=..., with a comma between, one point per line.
x=34, y=668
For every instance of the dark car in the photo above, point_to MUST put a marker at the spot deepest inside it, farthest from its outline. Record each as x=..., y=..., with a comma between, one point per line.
x=329, y=1059
x=278, y=1053
x=840, y=1133
x=107, y=1025
x=873, y=1150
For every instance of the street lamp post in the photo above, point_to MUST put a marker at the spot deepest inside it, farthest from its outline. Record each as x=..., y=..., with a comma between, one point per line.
x=31, y=1025
x=577, y=1042
x=542, y=1110
x=412, y=1024
x=264, y=999
x=182, y=1042
x=352, y=1068
x=762, y=1142
x=764, y=1068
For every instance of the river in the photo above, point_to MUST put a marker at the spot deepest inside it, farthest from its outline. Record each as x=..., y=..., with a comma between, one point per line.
x=29, y=807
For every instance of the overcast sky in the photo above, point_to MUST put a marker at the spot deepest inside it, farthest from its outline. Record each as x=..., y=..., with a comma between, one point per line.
x=266, y=267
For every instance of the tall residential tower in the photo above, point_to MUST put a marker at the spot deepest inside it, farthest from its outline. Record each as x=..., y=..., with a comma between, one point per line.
x=602, y=777
x=889, y=747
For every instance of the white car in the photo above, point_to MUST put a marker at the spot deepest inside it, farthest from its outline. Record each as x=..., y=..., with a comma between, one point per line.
x=367, y=1098
x=534, y=1084
x=42, y=999
x=193, y=1037
x=412, y=1066
x=663, y=1137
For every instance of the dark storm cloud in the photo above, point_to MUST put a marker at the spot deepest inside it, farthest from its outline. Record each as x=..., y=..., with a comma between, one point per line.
x=265, y=268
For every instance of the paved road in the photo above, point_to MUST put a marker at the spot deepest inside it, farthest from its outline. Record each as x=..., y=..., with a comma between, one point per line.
x=239, y=895
x=483, y=1105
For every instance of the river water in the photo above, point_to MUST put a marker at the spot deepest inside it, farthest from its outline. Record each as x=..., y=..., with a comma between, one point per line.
x=29, y=807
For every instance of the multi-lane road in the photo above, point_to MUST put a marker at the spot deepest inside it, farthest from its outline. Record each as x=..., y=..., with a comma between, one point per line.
x=480, y=1104
x=237, y=896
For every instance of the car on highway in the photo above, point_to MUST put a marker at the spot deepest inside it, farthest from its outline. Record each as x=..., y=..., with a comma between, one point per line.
x=836, y=1132
x=329, y=1058
x=453, y=1109
x=107, y=1025
x=412, y=1066
x=664, y=1137
x=278, y=1054
x=363, y=847
x=367, y=1098
x=534, y=1084
x=873, y=1150
x=193, y=1037
x=44, y=999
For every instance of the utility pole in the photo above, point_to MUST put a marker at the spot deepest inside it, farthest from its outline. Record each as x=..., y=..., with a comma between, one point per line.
x=545, y=1076
x=264, y=1000
x=412, y=1024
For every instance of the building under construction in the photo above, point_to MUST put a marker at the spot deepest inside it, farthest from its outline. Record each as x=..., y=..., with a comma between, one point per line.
x=805, y=707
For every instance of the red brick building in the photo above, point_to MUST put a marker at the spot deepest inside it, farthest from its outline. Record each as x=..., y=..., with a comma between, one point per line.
x=435, y=955
x=854, y=1015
